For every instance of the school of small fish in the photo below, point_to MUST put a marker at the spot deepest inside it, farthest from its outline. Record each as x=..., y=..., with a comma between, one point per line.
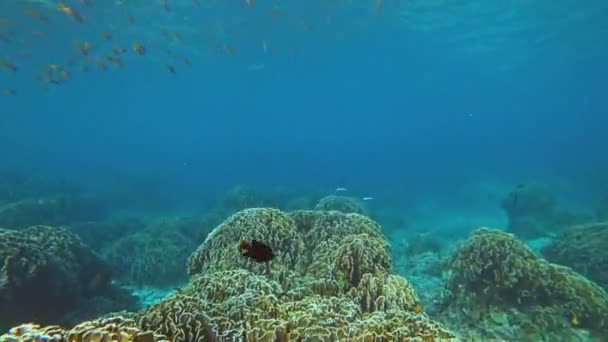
x=56, y=40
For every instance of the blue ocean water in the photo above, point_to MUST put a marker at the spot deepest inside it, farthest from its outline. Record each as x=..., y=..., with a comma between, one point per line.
x=435, y=109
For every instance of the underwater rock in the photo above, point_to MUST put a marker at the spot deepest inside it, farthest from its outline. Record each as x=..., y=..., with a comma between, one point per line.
x=583, y=248
x=494, y=272
x=59, y=210
x=532, y=212
x=330, y=280
x=45, y=272
x=343, y=204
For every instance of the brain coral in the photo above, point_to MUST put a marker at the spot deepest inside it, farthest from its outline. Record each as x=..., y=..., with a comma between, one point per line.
x=584, y=248
x=492, y=270
x=44, y=271
x=330, y=281
x=115, y=328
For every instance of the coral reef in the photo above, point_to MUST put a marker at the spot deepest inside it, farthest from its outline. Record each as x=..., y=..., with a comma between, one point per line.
x=115, y=328
x=57, y=210
x=584, y=248
x=330, y=280
x=532, y=212
x=343, y=204
x=529, y=210
x=154, y=256
x=45, y=273
x=143, y=254
x=493, y=272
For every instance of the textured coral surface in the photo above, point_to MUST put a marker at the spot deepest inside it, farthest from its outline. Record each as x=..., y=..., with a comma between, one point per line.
x=584, y=248
x=43, y=271
x=344, y=204
x=494, y=276
x=115, y=328
x=330, y=281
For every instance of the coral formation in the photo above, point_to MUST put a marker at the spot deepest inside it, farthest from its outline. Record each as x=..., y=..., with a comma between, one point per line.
x=45, y=271
x=492, y=271
x=330, y=280
x=532, y=212
x=271, y=226
x=115, y=328
x=343, y=204
x=584, y=248
x=529, y=210
x=154, y=256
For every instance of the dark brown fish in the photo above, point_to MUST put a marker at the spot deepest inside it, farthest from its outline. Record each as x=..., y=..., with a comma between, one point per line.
x=256, y=250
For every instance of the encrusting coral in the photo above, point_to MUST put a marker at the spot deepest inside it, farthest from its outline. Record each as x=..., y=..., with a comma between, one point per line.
x=584, y=248
x=492, y=271
x=330, y=281
x=116, y=328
